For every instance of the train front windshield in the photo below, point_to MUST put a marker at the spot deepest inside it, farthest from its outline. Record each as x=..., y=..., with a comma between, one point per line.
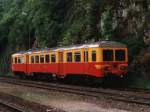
x=120, y=55
x=114, y=55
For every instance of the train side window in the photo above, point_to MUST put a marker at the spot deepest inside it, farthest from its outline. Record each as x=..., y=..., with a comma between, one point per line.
x=108, y=55
x=77, y=57
x=16, y=60
x=22, y=60
x=69, y=57
x=94, y=56
x=53, y=58
x=47, y=58
x=37, y=59
x=42, y=59
x=86, y=56
x=32, y=59
x=19, y=60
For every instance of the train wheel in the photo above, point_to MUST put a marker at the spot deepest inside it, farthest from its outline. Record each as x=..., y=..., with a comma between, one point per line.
x=16, y=75
x=19, y=75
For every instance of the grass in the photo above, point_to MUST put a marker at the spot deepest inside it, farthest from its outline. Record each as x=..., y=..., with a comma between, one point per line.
x=138, y=82
x=9, y=74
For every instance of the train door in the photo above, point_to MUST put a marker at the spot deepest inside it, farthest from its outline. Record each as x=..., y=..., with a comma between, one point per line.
x=86, y=59
x=60, y=63
x=27, y=63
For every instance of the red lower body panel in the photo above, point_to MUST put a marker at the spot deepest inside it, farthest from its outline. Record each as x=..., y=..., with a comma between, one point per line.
x=19, y=68
x=96, y=69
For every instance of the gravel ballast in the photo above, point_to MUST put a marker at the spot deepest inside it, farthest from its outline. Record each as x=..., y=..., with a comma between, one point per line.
x=70, y=102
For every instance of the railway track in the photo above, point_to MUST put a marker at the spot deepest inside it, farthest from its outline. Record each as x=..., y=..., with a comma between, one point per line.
x=10, y=103
x=140, y=97
x=10, y=107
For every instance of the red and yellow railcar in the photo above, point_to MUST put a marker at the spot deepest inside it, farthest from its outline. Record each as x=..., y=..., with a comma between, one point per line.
x=94, y=59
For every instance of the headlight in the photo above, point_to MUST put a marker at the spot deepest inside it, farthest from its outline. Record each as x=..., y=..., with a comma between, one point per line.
x=123, y=68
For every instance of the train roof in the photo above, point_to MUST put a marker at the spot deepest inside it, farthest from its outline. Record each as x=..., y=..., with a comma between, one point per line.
x=101, y=44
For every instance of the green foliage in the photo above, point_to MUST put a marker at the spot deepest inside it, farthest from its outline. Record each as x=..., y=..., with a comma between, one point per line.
x=106, y=24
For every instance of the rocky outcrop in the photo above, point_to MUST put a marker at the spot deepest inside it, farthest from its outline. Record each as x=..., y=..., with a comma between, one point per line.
x=141, y=63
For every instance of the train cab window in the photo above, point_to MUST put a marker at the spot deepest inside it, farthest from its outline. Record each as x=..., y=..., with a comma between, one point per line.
x=93, y=56
x=32, y=59
x=37, y=59
x=85, y=56
x=77, y=57
x=120, y=55
x=47, y=58
x=69, y=57
x=108, y=55
x=53, y=58
x=16, y=60
x=42, y=59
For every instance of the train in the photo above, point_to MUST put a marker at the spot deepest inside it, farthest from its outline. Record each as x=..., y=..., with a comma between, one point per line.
x=99, y=59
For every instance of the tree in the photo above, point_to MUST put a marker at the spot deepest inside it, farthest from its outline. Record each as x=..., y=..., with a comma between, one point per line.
x=106, y=24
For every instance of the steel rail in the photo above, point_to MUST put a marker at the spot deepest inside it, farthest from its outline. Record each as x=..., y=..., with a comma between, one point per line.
x=11, y=106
